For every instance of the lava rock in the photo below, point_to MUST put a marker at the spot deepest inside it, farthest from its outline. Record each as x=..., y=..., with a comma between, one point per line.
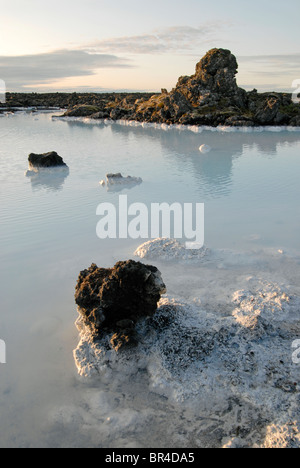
x=216, y=71
x=46, y=160
x=268, y=111
x=113, y=300
x=214, y=81
x=81, y=111
x=295, y=122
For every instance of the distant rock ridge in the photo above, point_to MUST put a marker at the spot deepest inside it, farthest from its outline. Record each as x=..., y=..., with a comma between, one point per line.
x=209, y=97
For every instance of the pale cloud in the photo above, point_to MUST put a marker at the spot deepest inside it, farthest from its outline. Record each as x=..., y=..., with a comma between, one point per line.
x=27, y=71
x=270, y=72
x=22, y=71
x=62, y=67
x=175, y=39
x=280, y=62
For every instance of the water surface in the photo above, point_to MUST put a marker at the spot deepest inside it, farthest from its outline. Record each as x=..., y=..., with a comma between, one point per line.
x=249, y=183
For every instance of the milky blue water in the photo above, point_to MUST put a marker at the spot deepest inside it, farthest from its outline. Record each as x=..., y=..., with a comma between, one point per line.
x=249, y=183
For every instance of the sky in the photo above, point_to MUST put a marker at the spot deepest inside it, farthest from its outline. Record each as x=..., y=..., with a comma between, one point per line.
x=134, y=45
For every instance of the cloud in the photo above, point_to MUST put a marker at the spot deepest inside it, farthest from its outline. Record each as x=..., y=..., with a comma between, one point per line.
x=286, y=66
x=276, y=72
x=176, y=39
x=20, y=72
x=280, y=62
x=30, y=71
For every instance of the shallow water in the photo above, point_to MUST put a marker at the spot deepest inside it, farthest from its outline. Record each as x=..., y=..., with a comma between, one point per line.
x=249, y=183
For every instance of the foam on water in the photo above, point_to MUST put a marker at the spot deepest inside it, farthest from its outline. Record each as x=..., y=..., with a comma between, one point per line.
x=190, y=128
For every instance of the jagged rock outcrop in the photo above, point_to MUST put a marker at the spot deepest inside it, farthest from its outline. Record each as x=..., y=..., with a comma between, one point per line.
x=214, y=81
x=111, y=301
x=217, y=70
x=46, y=160
x=211, y=96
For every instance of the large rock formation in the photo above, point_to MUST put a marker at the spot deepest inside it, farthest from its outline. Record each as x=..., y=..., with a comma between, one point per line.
x=216, y=71
x=113, y=300
x=209, y=97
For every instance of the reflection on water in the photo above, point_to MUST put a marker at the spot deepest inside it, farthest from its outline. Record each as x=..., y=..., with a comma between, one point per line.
x=250, y=186
x=49, y=179
x=73, y=124
x=264, y=141
x=213, y=171
x=122, y=187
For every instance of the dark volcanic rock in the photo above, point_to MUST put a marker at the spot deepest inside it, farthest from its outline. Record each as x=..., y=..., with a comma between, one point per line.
x=216, y=71
x=46, y=160
x=113, y=300
x=82, y=111
x=214, y=80
x=268, y=111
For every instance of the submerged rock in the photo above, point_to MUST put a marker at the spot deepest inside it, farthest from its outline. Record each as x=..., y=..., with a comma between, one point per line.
x=111, y=301
x=116, y=181
x=46, y=160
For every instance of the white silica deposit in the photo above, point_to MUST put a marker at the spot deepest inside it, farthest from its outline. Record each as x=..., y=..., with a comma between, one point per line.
x=230, y=361
x=205, y=149
x=169, y=249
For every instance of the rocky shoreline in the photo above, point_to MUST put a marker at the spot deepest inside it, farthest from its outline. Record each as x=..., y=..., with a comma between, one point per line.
x=210, y=97
x=226, y=355
x=58, y=101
